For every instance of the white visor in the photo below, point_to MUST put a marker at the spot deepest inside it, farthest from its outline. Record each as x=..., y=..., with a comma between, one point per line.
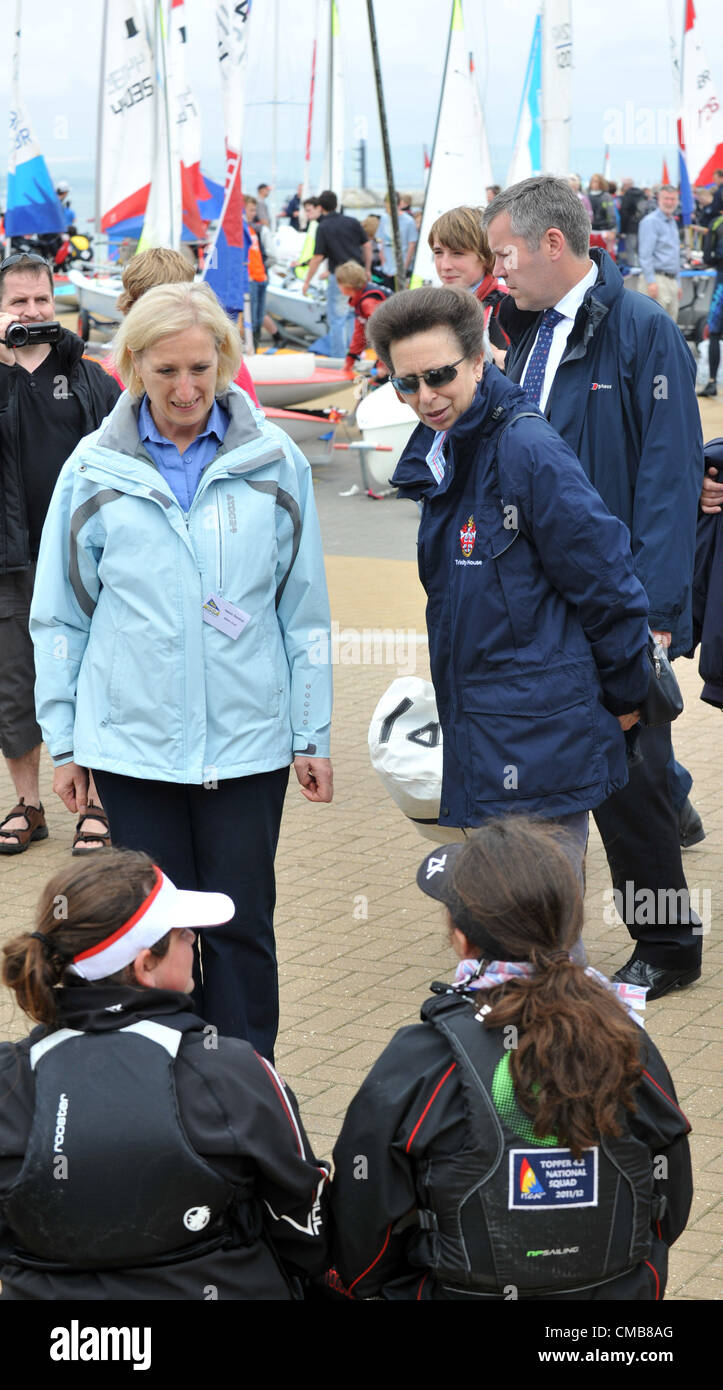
x=165, y=907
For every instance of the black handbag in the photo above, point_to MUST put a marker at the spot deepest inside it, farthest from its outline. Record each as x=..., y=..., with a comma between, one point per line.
x=663, y=702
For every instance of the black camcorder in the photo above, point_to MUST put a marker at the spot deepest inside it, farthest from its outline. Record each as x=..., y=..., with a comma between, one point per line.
x=23, y=334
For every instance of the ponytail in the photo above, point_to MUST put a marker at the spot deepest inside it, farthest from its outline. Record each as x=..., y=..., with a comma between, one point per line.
x=79, y=907
x=577, y=1061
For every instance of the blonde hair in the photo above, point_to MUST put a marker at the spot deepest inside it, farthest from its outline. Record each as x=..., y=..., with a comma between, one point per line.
x=172, y=309
x=158, y=266
x=461, y=230
x=351, y=273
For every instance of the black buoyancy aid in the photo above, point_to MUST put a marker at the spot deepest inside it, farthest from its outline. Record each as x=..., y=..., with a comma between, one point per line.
x=511, y=1218
x=109, y=1177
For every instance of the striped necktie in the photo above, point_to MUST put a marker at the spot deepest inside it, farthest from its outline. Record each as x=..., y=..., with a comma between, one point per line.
x=535, y=374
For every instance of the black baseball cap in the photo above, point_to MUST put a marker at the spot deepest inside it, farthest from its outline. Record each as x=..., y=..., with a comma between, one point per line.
x=435, y=878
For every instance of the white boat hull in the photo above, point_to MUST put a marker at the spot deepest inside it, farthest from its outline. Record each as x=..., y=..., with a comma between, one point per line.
x=291, y=306
x=384, y=420
x=287, y=394
x=98, y=295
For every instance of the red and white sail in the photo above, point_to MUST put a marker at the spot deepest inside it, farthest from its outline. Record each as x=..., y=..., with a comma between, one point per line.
x=193, y=187
x=128, y=85
x=701, y=116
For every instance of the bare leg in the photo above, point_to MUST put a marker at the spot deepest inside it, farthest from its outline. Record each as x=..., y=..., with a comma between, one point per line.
x=24, y=772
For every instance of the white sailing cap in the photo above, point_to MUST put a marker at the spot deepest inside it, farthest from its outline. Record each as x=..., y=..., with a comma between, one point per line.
x=165, y=907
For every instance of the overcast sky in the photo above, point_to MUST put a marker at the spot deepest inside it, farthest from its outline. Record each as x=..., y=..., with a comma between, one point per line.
x=620, y=54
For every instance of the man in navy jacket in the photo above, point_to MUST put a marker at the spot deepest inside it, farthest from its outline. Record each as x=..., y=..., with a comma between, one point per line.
x=618, y=384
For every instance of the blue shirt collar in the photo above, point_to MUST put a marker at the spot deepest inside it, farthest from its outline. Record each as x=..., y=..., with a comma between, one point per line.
x=217, y=424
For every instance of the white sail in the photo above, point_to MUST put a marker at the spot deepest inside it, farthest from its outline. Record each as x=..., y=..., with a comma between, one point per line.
x=556, y=87
x=674, y=37
x=188, y=117
x=128, y=83
x=162, y=222
x=527, y=150
x=461, y=170
x=701, y=114
x=333, y=169
x=479, y=124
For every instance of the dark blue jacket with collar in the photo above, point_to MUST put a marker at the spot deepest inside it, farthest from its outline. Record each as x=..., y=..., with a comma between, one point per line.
x=623, y=398
x=537, y=624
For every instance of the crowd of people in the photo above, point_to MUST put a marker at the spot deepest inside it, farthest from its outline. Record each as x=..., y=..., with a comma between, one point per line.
x=163, y=569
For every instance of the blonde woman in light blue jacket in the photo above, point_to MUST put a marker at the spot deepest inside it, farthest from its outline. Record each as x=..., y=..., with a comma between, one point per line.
x=179, y=616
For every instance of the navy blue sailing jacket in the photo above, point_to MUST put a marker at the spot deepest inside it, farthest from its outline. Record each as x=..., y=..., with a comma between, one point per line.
x=623, y=398
x=537, y=624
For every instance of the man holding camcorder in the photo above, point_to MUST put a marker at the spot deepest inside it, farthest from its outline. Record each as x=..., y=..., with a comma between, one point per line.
x=50, y=397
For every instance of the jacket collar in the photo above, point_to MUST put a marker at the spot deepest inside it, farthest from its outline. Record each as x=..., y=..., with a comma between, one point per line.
x=119, y=434
x=103, y=1008
x=495, y=400
x=596, y=305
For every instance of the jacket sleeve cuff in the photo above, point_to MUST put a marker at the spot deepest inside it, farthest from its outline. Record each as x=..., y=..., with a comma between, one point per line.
x=59, y=759
x=314, y=746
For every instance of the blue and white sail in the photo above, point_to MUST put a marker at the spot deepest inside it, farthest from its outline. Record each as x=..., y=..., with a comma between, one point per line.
x=527, y=150
x=32, y=204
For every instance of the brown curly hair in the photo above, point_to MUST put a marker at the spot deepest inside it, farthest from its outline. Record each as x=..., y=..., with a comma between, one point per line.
x=577, y=1061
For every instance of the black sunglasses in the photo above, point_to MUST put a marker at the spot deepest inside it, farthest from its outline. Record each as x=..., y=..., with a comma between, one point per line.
x=23, y=256
x=436, y=376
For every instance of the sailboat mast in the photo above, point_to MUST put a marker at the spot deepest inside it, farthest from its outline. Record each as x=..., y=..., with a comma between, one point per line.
x=306, y=187
x=274, y=119
x=393, y=213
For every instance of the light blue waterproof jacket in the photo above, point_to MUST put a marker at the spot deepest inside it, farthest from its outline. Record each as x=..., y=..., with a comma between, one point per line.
x=130, y=679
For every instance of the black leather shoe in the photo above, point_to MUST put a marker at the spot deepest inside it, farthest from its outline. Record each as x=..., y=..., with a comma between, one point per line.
x=690, y=825
x=709, y=389
x=654, y=978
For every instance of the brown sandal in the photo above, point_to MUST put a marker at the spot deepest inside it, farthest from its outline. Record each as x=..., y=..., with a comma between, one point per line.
x=36, y=828
x=92, y=838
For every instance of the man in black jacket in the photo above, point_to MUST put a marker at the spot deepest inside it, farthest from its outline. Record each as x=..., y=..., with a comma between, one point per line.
x=49, y=399
x=613, y=376
x=338, y=239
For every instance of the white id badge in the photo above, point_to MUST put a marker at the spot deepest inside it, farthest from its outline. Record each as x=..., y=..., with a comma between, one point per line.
x=225, y=616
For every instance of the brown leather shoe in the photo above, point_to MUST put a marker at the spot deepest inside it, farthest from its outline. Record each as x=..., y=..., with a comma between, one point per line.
x=17, y=840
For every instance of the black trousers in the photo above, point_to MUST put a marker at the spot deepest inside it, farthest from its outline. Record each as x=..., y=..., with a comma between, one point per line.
x=639, y=829
x=221, y=839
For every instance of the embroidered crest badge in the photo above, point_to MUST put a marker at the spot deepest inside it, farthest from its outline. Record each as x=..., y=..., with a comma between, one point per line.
x=467, y=537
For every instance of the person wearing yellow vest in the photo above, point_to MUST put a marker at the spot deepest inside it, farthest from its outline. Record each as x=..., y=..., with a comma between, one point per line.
x=311, y=212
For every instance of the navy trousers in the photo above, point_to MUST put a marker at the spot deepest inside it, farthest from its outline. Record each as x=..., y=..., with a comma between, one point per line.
x=223, y=840
x=639, y=829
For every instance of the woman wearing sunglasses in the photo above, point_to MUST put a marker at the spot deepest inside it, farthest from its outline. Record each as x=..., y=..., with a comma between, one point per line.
x=536, y=621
